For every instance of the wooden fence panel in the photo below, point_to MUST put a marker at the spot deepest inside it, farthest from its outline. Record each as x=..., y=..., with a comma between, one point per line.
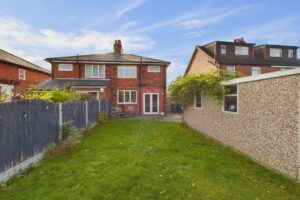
x=74, y=111
x=26, y=128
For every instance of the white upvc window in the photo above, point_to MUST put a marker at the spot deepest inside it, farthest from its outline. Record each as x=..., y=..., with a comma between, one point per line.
x=22, y=74
x=230, y=69
x=127, y=72
x=290, y=53
x=275, y=52
x=223, y=49
x=240, y=50
x=154, y=69
x=127, y=96
x=94, y=71
x=230, y=99
x=255, y=71
x=65, y=67
x=198, y=100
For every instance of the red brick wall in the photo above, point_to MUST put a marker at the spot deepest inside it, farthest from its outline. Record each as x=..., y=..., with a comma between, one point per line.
x=247, y=69
x=150, y=82
x=65, y=74
x=11, y=72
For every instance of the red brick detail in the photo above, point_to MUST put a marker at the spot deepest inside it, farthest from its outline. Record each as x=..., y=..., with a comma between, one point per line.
x=247, y=69
x=146, y=82
x=10, y=71
x=65, y=74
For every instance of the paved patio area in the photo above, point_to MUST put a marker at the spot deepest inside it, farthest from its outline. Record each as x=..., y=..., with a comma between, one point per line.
x=173, y=117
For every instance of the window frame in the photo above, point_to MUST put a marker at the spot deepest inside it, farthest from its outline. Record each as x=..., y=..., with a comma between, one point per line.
x=60, y=65
x=230, y=66
x=195, y=101
x=118, y=102
x=242, y=48
x=255, y=67
x=272, y=53
x=221, y=49
x=92, y=72
x=22, y=72
x=237, y=100
x=124, y=66
x=292, y=53
x=158, y=71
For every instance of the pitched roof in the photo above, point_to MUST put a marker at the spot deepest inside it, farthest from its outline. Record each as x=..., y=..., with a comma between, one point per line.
x=63, y=83
x=8, y=57
x=109, y=58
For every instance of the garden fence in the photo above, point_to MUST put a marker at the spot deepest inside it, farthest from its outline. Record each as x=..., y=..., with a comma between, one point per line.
x=29, y=127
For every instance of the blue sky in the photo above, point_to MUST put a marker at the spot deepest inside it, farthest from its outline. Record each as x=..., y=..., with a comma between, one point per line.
x=165, y=29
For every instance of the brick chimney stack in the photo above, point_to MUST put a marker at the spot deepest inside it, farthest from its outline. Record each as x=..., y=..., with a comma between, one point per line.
x=239, y=40
x=118, y=47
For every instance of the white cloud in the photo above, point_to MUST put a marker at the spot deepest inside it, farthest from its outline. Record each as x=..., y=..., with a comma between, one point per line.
x=281, y=31
x=206, y=16
x=19, y=38
x=129, y=6
x=211, y=18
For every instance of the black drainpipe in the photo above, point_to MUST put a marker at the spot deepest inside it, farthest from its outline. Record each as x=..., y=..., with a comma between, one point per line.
x=79, y=67
x=140, y=86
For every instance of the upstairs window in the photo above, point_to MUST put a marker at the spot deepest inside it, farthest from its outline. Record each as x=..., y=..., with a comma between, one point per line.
x=198, y=100
x=127, y=72
x=127, y=96
x=255, y=71
x=274, y=52
x=22, y=74
x=154, y=69
x=240, y=50
x=223, y=49
x=230, y=99
x=230, y=69
x=65, y=67
x=94, y=71
x=291, y=53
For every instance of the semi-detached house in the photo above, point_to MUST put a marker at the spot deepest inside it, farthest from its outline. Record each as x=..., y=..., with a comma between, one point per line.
x=129, y=81
x=240, y=56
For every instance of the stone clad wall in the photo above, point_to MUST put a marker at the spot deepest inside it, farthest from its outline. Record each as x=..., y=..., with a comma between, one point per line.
x=266, y=126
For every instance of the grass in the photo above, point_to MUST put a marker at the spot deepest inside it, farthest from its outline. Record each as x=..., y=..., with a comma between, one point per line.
x=139, y=159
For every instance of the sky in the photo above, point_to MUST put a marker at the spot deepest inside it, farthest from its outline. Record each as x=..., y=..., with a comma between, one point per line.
x=162, y=29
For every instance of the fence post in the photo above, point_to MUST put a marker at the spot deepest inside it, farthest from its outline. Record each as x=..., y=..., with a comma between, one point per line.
x=106, y=107
x=99, y=104
x=86, y=113
x=60, y=112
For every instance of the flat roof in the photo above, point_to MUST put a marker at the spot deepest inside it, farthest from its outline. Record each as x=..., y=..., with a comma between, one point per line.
x=262, y=76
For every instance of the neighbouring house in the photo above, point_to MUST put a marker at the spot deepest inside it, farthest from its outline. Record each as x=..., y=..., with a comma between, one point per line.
x=129, y=81
x=17, y=74
x=239, y=56
x=260, y=116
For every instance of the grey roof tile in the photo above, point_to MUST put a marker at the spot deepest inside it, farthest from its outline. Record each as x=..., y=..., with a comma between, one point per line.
x=8, y=57
x=63, y=83
x=109, y=58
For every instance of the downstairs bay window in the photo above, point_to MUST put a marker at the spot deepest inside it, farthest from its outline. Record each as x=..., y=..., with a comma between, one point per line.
x=230, y=99
x=127, y=97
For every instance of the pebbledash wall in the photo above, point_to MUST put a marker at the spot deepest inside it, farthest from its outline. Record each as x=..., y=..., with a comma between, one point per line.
x=266, y=126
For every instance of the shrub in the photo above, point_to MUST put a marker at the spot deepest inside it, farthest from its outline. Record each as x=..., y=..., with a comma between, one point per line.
x=3, y=97
x=55, y=95
x=102, y=117
x=183, y=89
x=68, y=129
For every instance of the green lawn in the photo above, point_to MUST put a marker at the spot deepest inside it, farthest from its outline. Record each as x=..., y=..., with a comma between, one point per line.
x=140, y=159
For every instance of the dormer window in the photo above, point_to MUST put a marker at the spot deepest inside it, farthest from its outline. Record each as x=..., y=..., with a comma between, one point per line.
x=240, y=50
x=275, y=52
x=291, y=53
x=223, y=49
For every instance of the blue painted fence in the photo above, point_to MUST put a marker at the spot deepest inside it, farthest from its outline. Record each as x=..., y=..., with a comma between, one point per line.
x=29, y=127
